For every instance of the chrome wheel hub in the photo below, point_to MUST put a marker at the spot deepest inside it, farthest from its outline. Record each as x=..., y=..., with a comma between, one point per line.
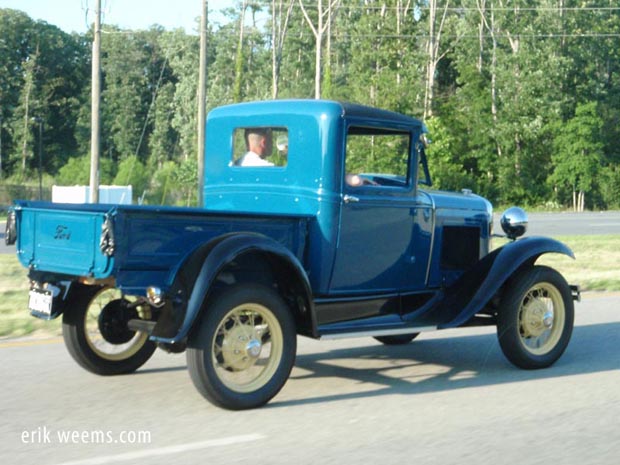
x=240, y=348
x=253, y=348
x=537, y=318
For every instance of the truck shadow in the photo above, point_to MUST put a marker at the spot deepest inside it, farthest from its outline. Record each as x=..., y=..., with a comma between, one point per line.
x=437, y=365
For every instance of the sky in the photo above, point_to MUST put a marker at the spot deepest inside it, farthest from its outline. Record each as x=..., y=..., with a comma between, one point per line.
x=76, y=15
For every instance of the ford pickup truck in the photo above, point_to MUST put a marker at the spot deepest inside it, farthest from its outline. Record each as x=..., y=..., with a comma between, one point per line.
x=318, y=220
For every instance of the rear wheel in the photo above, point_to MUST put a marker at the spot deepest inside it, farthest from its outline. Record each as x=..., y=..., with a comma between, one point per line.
x=244, y=349
x=535, y=321
x=95, y=331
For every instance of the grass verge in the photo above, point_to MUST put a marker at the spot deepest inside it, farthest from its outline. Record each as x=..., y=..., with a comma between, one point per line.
x=597, y=268
x=15, y=320
x=597, y=261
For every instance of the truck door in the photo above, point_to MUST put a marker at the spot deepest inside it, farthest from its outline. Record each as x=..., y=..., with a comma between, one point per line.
x=375, y=251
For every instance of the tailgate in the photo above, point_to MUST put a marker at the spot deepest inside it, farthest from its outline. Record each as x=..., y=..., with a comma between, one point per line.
x=62, y=240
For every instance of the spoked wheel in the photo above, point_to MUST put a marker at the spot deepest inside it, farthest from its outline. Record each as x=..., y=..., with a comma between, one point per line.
x=244, y=349
x=535, y=321
x=397, y=339
x=96, y=333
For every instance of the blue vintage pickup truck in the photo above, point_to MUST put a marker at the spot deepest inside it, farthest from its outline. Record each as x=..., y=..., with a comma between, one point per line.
x=318, y=220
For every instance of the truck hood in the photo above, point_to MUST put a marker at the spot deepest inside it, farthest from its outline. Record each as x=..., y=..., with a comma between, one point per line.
x=459, y=201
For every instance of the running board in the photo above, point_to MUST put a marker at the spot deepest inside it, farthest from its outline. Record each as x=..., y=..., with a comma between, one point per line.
x=378, y=332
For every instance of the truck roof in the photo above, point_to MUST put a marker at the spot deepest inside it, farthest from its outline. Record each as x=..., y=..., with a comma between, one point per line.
x=306, y=106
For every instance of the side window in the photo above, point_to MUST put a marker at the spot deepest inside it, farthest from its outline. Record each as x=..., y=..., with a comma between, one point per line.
x=260, y=147
x=377, y=157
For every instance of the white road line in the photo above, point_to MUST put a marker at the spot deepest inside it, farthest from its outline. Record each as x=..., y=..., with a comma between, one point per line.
x=169, y=450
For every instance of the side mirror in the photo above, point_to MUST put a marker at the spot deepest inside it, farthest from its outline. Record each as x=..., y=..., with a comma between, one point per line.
x=514, y=222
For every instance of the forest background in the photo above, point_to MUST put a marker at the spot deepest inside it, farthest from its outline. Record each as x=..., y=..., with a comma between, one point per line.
x=521, y=97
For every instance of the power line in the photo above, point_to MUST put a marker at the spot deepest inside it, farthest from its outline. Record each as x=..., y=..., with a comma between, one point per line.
x=477, y=36
x=454, y=36
x=465, y=8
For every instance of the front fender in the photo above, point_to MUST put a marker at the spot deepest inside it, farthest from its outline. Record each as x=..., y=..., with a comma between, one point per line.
x=219, y=253
x=492, y=272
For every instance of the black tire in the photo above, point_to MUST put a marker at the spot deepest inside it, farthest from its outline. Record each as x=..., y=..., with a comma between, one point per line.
x=397, y=340
x=536, y=316
x=226, y=354
x=95, y=332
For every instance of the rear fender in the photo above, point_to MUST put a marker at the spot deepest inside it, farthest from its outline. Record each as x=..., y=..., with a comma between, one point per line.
x=209, y=260
x=473, y=291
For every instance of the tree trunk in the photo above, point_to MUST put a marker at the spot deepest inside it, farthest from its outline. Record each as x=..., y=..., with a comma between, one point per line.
x=433, y=55
x=279, y=28
x=317, y=65
x=582, y=201
x=574, y=199
x=319, y=31
x=30, y=67
x=239, y=57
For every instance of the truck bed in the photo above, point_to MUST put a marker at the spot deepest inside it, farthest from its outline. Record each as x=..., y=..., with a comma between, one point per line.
x=137, y=245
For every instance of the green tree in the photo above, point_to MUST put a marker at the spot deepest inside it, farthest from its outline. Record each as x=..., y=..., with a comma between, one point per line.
x=578, y=152
x=76, y=172
x=132, y=172
x=42, y=72
x=445, y=164
x=382, y=69
x=124, y=93
x=185, y=178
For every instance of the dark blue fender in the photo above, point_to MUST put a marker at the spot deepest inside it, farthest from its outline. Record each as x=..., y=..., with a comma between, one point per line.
x=222, y=251
x=486, y=278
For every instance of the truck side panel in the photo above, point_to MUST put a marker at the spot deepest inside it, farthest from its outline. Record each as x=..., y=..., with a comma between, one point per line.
x=151, y=247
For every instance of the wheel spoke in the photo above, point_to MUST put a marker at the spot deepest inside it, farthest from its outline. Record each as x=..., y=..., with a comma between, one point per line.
x=105, y=328
x=244, y=355
x=536, y=334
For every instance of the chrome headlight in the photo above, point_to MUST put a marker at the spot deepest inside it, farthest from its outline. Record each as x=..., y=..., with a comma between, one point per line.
x=514, y=222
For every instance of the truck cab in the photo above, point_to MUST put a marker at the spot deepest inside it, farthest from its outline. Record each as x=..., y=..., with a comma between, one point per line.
x=358, y=172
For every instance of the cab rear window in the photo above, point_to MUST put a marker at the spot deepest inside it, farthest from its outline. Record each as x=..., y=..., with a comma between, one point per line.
x=262, y=146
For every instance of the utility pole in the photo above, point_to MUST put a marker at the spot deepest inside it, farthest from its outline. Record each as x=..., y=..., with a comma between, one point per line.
x=95, y=130
x=39, y=121
x=202, y=100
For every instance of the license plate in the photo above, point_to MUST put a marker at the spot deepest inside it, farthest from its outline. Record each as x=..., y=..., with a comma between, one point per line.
x=40, y=301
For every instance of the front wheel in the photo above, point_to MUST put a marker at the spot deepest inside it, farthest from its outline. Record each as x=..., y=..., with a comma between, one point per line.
x=535, y=320
x=94, y=328
x=244, y=348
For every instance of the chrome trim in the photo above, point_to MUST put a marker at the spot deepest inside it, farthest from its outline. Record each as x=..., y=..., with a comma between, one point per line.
x=379, y=332
x=350, y=199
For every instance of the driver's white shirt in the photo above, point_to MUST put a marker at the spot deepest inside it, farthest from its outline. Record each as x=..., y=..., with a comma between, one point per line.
x=253, y=159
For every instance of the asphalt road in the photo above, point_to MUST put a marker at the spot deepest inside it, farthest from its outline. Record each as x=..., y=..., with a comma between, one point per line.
x=568, y=224
x=447, y=398
x=540, y=224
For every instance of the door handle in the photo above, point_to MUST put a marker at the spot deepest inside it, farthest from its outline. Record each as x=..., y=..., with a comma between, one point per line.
x=350, y=198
